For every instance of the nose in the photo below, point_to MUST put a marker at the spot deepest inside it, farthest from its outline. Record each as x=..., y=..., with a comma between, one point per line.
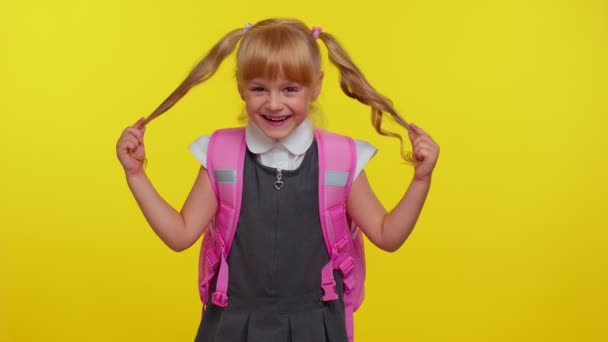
x=275, y=102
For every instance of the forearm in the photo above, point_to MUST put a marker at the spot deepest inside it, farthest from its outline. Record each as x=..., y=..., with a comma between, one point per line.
x=399, y=222
x=388, y=231
x=166, y=222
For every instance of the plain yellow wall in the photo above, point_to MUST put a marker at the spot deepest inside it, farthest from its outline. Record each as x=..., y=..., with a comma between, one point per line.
x=511, y=245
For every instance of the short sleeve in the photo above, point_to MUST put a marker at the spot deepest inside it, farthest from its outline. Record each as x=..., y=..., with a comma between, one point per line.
x=199, y=149
x=365, y=152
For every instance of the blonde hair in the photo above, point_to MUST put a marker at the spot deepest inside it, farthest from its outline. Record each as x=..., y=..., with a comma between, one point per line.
x=287, y=48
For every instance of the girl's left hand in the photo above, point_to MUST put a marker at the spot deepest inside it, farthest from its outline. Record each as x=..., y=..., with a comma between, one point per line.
x=425, y=154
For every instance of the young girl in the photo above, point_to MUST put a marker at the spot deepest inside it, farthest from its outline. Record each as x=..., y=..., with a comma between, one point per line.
x=278, y=250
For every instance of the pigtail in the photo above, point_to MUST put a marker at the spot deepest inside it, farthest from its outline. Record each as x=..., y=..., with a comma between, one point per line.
x=355, y=86
x=203, y=70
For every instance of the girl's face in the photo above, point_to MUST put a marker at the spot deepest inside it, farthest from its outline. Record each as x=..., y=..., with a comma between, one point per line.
x=278, y=106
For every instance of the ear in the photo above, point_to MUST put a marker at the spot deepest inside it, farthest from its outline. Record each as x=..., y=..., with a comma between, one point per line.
x=241, y=91
x=317, y=87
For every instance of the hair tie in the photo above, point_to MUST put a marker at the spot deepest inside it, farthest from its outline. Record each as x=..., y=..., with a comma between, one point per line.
x=247, y=26
x=316, y=31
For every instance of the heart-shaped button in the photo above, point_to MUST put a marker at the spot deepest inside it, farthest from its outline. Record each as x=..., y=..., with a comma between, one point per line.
x=278, y=185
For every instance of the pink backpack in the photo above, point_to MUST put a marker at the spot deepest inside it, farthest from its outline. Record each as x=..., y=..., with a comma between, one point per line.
x=337, y=160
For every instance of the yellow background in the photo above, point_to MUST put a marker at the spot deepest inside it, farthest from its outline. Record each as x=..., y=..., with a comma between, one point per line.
x=511, y=245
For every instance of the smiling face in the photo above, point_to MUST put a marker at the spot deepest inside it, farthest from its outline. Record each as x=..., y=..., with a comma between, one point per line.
x=278, y=74
x=279, y=106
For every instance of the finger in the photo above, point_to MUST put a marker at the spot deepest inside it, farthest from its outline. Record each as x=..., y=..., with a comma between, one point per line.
x=137, y=151
x=133, y=140
x=416, y=151
x=141, y=131
x=426, y=144
x=139, y=123
x=412, y=136
x=422, y=154
x=425, y=138
x=129, y=141
x=418, y=130
x=409, y=127
x=425, y=153
x=135, y=132
x=420, y=143
x=128, y=146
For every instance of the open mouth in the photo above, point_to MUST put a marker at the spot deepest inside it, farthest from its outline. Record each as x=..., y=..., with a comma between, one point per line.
x=276, y=119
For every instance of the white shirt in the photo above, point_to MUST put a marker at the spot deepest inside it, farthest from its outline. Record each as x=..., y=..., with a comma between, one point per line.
x=285, y=154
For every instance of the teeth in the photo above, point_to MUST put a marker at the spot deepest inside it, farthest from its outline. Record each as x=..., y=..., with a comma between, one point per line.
x=276, y=119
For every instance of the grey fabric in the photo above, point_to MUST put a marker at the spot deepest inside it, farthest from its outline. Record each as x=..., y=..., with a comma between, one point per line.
x=274, y=287
x=225, y=176
x=336, y=178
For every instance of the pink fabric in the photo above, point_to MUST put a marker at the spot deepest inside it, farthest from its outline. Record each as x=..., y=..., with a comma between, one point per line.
x=347, y=252
x=229, y=203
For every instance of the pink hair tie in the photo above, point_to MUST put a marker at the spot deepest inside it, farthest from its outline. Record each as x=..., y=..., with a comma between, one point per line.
x=316, y=31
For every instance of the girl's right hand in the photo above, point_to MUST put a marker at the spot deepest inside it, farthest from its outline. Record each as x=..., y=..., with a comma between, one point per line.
x=130, y=148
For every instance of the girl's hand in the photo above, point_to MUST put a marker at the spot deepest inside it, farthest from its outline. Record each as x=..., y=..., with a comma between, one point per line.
x=425, y=153
x=130, y=148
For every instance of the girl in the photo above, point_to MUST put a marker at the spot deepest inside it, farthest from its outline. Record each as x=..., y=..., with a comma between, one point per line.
x=278, y=249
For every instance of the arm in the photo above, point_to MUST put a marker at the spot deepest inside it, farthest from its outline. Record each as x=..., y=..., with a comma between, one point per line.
x=389, y=230
x=179, y=230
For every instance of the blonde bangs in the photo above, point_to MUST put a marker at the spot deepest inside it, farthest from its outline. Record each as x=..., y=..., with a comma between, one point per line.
x=272, y=53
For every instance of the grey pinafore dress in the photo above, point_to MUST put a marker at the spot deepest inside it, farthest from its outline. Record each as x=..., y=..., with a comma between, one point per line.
x=278, y=251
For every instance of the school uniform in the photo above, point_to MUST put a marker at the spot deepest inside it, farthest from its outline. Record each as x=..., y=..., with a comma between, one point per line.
x=278, y=251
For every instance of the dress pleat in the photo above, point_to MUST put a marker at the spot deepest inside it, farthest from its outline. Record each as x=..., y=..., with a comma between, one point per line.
x=268, y=326
x=335, y=324
x=233, y=327
x=307, y=326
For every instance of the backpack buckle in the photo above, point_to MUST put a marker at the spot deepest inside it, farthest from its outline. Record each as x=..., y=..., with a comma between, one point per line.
x=342, y=243
x=338, y=250
x=347, y=265
x=349, y=283
x=219, y=299
x=330, y=291
x=328, y=283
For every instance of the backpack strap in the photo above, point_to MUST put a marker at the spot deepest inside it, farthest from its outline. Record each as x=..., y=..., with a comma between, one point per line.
x=337, y=161
x=225, y=161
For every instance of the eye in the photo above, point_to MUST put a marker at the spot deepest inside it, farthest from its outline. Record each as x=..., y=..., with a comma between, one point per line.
x=291, y=89
x=256, y=89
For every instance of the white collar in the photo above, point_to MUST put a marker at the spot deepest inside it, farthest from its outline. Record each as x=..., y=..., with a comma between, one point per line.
x=297, y=142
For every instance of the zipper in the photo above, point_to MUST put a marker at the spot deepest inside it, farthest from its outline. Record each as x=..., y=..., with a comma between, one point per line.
x=278, y=184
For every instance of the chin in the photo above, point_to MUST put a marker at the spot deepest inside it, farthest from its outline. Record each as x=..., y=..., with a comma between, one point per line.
x=277, y=135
